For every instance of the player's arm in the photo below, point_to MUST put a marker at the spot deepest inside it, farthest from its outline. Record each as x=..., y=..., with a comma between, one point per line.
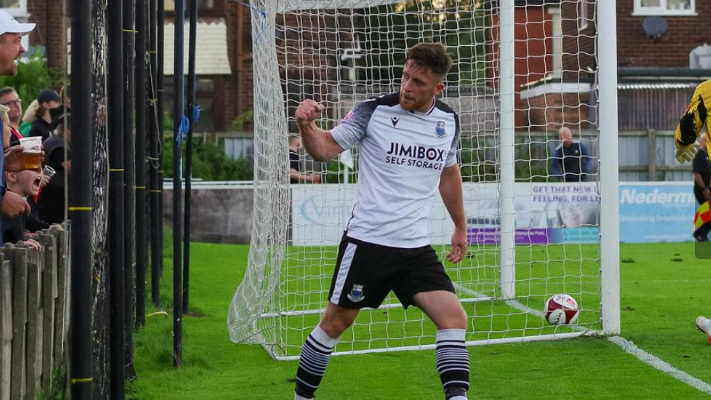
x=450, y=188
x=319, y=143
x=699, y=181
x=689, y=127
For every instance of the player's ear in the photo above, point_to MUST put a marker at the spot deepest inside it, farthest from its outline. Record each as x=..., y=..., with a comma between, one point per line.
x=439, y=88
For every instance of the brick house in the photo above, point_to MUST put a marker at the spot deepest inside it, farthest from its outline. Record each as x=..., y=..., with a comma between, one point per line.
x=533, y=39
x=223, y=63
x=655, y=81
x=561, y=93
x=554, y=43
x=656, y=78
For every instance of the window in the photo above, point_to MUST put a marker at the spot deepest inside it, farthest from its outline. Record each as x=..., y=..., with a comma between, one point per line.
x=206, y=8
x=205, y=99
x=14, y=7
x=582, y=15
x=664, y=7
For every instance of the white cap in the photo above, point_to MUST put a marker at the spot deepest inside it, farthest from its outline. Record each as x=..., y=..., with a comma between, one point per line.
x=9, y=25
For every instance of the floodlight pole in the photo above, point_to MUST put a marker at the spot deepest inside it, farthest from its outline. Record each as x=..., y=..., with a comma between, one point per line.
x=116, y=170
x=81, y=371
x=141, y=245
x=129, y=190
x=178, y=110
x=161, y=128
x=154, y=165
x=189, y=153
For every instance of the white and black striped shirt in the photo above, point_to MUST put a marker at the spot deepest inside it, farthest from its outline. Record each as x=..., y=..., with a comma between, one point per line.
x=402, y=154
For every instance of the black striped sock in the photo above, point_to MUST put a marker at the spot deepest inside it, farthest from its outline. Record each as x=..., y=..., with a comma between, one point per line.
x=313, y=362
x=452, y=360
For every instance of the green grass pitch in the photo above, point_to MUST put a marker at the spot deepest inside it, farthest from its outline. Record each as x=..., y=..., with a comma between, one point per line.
x=663, y=288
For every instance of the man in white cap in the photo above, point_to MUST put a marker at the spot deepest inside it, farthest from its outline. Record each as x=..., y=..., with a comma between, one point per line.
x=11, y=33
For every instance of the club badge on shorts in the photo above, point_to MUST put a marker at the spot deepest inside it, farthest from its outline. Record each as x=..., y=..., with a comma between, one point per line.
x=440, y=129
x=356, y=293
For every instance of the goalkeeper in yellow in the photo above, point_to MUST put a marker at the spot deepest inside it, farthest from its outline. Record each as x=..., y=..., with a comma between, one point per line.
x=691, y=122
x=690, y=125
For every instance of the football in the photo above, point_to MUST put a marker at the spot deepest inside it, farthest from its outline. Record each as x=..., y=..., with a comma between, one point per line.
x=561, y=309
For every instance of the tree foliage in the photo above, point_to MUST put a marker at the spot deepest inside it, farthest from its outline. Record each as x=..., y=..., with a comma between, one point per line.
x=210, y=162
x=32, y=77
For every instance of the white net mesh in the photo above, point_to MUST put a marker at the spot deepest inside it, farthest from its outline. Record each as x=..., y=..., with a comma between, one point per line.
x=340, y=53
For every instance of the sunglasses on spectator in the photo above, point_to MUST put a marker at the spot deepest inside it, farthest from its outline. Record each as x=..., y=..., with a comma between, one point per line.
x=12, y=102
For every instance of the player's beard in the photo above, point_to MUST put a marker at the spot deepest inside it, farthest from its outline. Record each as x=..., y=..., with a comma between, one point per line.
x=410, y=104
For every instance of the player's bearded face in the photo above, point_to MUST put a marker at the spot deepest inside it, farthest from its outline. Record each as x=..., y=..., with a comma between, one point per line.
x=418, y=87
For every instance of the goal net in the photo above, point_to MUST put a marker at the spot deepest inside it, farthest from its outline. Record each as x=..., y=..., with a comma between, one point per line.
x=522, y=70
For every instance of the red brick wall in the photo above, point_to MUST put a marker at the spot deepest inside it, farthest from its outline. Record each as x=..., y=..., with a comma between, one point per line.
x=48, y=15
x=635, y=49
x=532, y=49
x=578, y=45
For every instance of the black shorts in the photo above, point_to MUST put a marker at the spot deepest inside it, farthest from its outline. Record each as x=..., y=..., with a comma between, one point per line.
x=366, y=273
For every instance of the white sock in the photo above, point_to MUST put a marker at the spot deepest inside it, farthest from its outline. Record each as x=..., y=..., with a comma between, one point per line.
x=297, y=397
x=458, y=398
x=323, y=337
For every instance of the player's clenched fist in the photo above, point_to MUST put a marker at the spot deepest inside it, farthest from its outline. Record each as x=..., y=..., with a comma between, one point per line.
x=308, y=111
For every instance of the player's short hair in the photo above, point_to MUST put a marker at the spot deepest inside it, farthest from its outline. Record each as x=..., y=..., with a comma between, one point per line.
x=7, y=90
x=292, y=138
x=431, y=55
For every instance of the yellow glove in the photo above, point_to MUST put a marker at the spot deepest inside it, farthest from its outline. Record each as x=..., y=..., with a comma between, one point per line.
x=686, y=153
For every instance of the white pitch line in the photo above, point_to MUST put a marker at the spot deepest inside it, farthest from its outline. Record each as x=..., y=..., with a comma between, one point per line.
x=660, y=364
x=626, y=345
x=513, y=303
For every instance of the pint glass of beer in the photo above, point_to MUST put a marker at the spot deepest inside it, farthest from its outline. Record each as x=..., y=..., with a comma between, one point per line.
x=32, y=152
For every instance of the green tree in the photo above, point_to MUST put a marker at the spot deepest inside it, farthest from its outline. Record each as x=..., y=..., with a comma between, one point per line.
x=32, y=77
x=210, y=162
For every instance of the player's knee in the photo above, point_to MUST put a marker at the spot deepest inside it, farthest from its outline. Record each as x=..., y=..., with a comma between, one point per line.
x=334, y=327
x=455, y=319
x=460, y=319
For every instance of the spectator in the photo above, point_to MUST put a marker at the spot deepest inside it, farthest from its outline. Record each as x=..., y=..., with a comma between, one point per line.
x=10, y=99
x=7, y=132
x=25, y=183
x=571, y=159
x=42, y=125
x=66, y=95
x=295, y=163
x=28, y=118
x=57, y=148
x=11, y=33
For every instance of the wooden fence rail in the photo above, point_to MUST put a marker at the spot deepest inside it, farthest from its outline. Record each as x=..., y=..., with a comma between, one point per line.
x=34, y=287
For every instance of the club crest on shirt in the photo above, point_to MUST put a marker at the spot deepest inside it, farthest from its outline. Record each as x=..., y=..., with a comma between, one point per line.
x=440, y=129
x=394, y=120
x=356, y=293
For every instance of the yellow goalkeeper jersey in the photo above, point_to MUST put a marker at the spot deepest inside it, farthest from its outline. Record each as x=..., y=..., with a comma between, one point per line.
x=695, y=117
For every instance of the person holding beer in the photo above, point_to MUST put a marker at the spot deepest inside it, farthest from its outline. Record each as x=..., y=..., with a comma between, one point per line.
x=11, y=33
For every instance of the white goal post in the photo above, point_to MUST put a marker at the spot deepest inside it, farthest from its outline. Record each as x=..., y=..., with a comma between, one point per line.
x=522, y=70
